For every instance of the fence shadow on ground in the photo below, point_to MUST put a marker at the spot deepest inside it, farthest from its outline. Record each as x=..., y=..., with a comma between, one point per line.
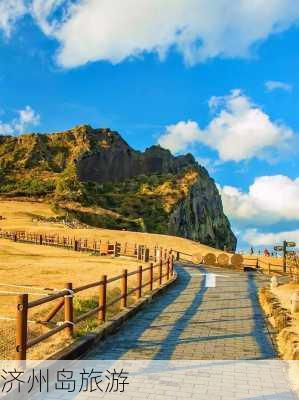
x=130, y=337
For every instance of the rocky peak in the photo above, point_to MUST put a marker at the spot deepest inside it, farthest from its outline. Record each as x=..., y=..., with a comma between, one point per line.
x=102, y=155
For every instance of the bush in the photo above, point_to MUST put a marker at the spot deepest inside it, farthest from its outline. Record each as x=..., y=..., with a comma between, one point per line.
x=29, y=187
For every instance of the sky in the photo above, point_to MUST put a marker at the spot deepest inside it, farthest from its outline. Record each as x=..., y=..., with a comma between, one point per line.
x=218, y=79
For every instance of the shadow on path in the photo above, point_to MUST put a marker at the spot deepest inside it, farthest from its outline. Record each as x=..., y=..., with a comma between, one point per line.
x=118, y=344
x=260, y=330
x=155, y=315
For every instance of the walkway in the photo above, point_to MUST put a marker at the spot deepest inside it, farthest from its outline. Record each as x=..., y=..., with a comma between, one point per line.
x=219, y=331
x=194, y=322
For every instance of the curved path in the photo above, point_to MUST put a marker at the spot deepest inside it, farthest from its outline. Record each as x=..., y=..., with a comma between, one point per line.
x=194, y=322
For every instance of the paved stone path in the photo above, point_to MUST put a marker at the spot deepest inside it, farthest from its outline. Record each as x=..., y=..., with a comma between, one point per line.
x=191, y=321
x=214, y=342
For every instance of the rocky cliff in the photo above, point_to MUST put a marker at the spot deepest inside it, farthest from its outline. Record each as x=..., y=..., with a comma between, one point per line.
x=199, y=216
x=152, y=190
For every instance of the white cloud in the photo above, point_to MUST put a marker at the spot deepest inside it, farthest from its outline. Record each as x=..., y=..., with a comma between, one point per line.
x=256, y=238
x=269, y=200
x=114, y=30
x=180, y=136
x=43, y=12
x=10, y=12
x=277, y=85
x=240, y=130
x=27, y=117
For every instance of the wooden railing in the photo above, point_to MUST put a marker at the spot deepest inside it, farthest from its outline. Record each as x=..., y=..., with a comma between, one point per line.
x=270, y=266
x=97, y=247
x=164, y=273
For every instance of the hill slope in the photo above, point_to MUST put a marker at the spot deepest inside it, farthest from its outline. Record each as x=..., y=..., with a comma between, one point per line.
x=93, y=175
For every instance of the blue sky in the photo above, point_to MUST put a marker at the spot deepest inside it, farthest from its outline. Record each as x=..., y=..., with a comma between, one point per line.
x=218, y=80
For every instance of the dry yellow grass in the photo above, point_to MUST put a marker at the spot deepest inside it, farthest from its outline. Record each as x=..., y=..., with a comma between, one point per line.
x=39, y=266
x=20, y=214
x=288, y=338
x=276, y=263
x=284, y=293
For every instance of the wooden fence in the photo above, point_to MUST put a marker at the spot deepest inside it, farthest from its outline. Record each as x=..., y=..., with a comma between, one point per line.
x=164, y=273
x=273, y=265
x=98, y=247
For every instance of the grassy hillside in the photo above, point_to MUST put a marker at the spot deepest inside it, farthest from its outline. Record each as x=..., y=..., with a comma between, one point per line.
x=94, y=176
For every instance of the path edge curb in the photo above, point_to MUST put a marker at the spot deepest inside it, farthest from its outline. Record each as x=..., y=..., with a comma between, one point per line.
x=83, y=344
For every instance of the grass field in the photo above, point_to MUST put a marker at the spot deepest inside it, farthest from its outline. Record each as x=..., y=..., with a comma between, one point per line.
x=39, y=267
x=22, y=215
x=285, y=293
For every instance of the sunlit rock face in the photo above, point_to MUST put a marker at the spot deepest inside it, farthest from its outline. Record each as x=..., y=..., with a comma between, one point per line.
x=177, y=195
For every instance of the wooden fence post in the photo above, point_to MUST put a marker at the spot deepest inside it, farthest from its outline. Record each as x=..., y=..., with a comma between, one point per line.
x=115, y=249
x=124, y=289
x=168, y=268
x=69, y=310
x=171, y=265
x=269, y=268
x=160, y=272
x=40, y=239
x=76, y=245
x=178, y=256
x=146, y=254
x=21, y=327
x=139, y=284
x=103, y=299
x=151, y=276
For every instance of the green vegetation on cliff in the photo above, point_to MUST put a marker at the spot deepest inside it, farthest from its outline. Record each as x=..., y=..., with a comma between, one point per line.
x=97, y=177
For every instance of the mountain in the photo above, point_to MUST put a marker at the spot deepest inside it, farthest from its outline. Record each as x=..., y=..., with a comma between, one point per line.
x=95, y=176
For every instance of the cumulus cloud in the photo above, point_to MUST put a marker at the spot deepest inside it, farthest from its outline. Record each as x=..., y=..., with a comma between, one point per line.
x=113, y=30
x=180, y=136
x=198, y=29
x=269, y=200
x=239, y=130
x=257, y=238
x=10, y=12
x=26, y=118
x=278, y=85
x=45, y=13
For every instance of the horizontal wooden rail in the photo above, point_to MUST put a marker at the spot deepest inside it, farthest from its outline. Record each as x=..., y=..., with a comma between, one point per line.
x=88, y=314
x=48, y=299
x=47, y=335
x=88, y=286
x=274, y=267
x=145, y=284
x=114, y=301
